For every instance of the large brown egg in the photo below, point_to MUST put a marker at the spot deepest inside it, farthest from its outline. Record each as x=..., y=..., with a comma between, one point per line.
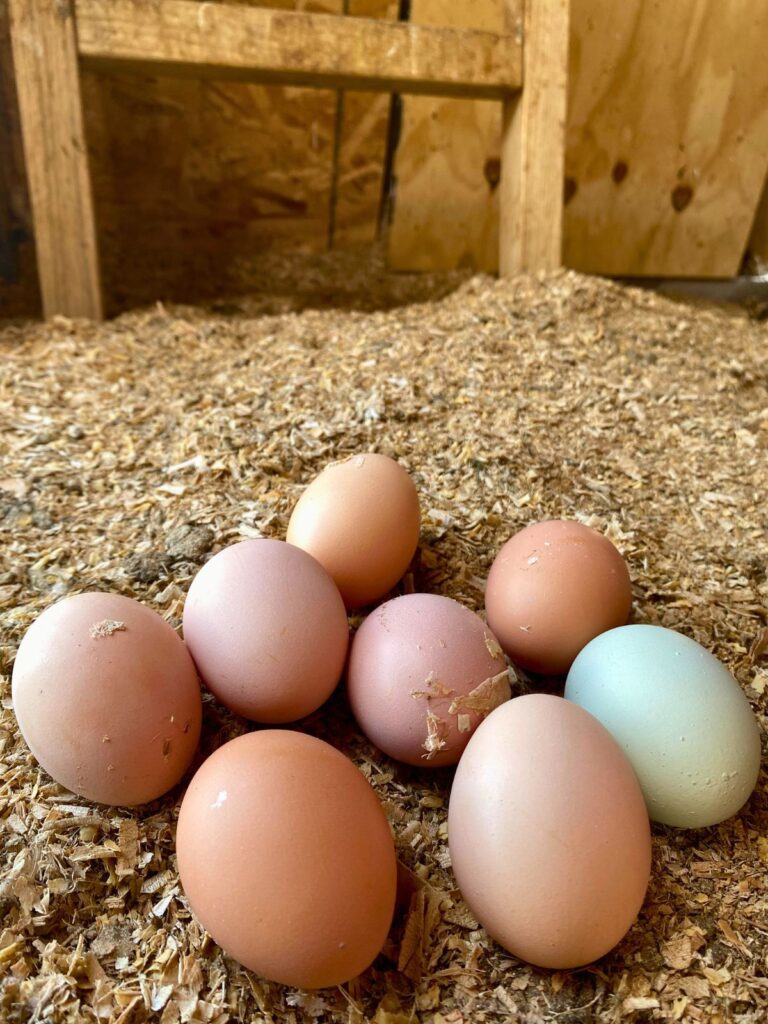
x=107, y=697
x=423, y=672
x=360, y=519
x=548, y=833
x=268, y=630
x=287, y=859
x=552, y=588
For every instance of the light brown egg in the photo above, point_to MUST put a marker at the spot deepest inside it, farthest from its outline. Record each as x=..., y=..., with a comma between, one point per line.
x=107, y=697
x=287, y=859
x=423, y=672
x=360, y=519
x=552, y=588
x=548, y=833
x=268, y=630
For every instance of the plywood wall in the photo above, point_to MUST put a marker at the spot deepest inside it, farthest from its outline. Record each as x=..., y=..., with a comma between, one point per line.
x=446, y=168
x=667, y=144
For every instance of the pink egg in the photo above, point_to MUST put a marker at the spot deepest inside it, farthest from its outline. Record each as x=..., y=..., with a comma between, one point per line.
x=268, y=630
x=107, y=698
x=548, y=832
x=423, y=672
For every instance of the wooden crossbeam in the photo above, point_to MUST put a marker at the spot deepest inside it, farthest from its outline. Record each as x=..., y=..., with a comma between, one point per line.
x=218, y=40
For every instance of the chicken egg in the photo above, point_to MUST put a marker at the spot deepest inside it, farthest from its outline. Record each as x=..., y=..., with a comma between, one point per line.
x=552, y=588
x=679, y=715
x=107, y=698
x=268, y=630
x=287, y=859
x=548, y=833
x=360, y=519
x=423, y=672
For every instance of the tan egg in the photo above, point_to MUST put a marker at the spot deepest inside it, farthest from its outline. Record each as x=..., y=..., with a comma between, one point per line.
x=552, y=588
x=548, y=833
x=107, y=697
x=287, y=859
x=360, y=519
x=268, y=630
x=423, y=672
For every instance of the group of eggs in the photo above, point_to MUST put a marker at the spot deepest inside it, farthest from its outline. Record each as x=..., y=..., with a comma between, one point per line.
x=284, y=851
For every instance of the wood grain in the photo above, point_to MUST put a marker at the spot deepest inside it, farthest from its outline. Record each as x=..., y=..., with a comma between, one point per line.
x=667, y=142
x=47, y=80
x=299, y=48
x=533, y=143
x=447, y=165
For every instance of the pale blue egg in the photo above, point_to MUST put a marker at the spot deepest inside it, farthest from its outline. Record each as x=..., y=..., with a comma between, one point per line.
x=679, y=715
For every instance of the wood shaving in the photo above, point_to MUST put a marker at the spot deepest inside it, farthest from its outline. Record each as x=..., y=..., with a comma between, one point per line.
x=437, y=735
x=664, y=407
x=484, y=697
x=494, y=649
x=106, y=628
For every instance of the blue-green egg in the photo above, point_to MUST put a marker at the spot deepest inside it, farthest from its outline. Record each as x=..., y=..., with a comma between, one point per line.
x=680, y=716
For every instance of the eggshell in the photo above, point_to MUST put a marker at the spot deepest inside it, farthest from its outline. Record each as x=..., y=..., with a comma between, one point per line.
x=360, y=519
x=423, y=671
x=548, y=833
x=287, y=859
x=552, y=588
x=268, y=630
x=107, y=698
x=680, y=716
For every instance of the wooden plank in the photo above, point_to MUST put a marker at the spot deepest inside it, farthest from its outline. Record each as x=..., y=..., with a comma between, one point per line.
x=328, y=51
x=447, y=165
x=533, y=144
x=45, y=59
x=667, y=141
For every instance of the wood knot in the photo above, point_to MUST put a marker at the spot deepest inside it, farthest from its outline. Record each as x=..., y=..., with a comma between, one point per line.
x=619, y=171
x=681, y=197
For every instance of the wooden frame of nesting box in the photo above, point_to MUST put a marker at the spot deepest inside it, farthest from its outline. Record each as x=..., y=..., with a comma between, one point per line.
x=524, y=67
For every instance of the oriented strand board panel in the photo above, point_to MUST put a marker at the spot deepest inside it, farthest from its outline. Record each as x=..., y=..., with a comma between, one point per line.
x=447, y=165
x=667, y=135
x=666, y=149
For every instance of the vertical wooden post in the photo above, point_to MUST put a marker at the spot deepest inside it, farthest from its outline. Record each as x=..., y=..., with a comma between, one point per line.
x=48, y=84
x=533, y=143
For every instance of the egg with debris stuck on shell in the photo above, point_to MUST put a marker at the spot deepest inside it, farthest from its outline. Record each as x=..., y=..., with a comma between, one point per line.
x=423, y=672
x=107, y=698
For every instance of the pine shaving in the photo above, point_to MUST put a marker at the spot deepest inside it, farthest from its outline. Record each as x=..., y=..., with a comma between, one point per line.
x=436, y=736
x=485, y=697
x=106, y=628
x=493, y=647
